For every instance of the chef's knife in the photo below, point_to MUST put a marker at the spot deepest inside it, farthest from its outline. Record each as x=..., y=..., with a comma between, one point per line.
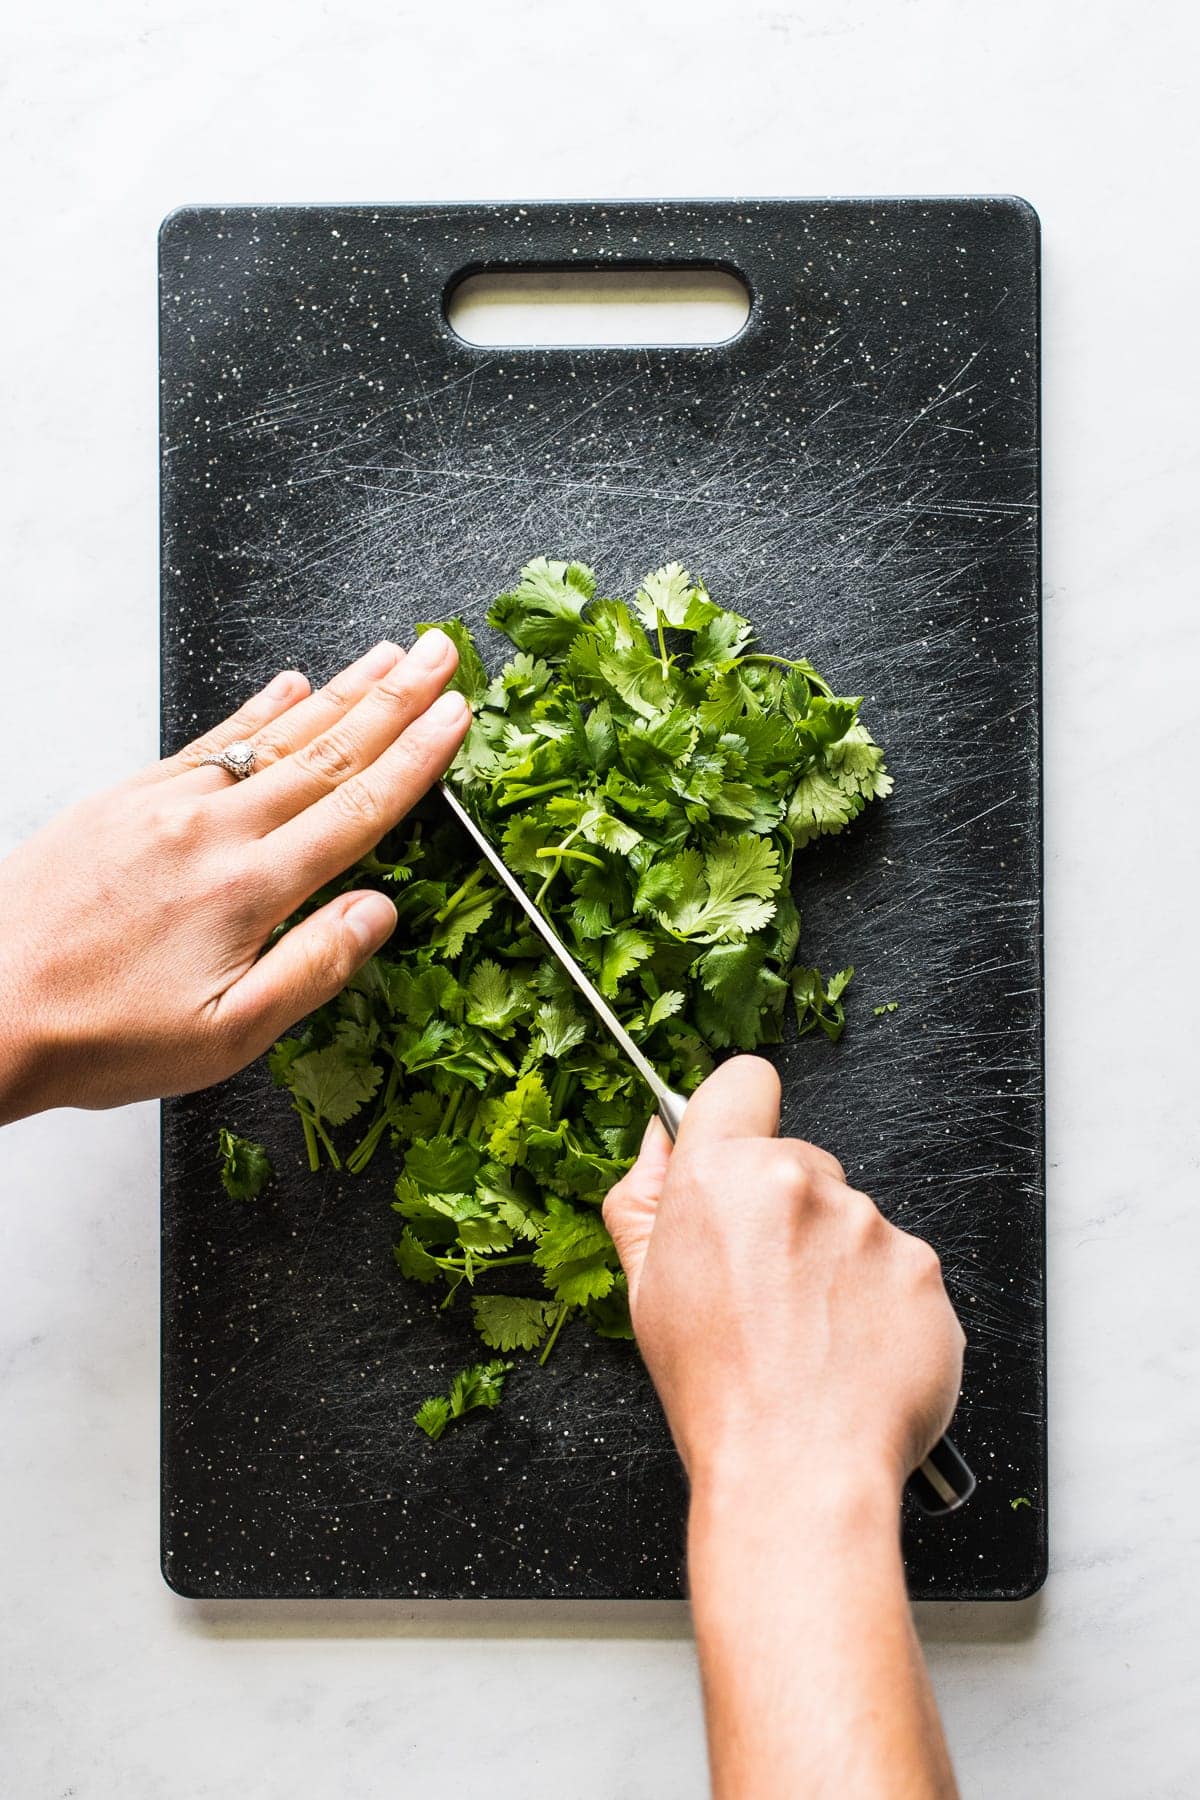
x=670, y=1104
x=943, y=1481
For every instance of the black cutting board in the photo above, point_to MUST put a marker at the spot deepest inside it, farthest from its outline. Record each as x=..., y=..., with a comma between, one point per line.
x=858, y=471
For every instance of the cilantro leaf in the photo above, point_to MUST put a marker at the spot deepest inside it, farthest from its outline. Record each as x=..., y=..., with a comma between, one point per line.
x=245, y=1166
x=542, y=613
x=726, y=894
x=333, y=1083
x=479, y=1386
x=505, y=1323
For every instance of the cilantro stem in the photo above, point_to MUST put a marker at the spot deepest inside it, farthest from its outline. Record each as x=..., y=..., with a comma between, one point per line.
x=473, y=879
x=516, y=795
x=310, y=1140
x=452, y=1106
x=572, y=856
x=789, y=662
x=662, y=644
x=365, y=1149
x=312, y=1124
x=450, y=1267
x=563, y=1310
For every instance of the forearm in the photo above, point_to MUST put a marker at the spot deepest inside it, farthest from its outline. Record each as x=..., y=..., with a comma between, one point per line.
x=813, y=1679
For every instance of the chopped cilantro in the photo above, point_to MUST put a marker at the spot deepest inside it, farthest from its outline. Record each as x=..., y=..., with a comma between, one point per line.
x=480, y=1385
x=245, y=1166
x=649, y=774
x=889, y=1006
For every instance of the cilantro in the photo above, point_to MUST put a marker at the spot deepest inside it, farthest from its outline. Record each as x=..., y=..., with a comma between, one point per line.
x=651, y=776
x=245, y=1166
x=889, y=1006
x=479, y=1386
x=819, y=1004
x=511, y=1324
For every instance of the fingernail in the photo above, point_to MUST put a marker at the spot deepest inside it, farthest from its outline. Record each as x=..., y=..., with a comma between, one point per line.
x=379, y=660
x=430, y=650
x=448, y=711
x=370, y=921
x=283, y=684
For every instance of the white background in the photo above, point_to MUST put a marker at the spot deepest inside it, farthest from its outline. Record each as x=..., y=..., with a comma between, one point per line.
x=112, y=114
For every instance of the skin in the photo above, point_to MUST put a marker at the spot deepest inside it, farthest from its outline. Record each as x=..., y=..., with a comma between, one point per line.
x=134, y=923
x=804, y=1350
x=807, y=1358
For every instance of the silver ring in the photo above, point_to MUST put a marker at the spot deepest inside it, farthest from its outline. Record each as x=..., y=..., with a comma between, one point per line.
x=237, y=760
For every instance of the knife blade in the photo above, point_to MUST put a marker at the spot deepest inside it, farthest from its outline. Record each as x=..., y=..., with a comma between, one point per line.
x=670, y=1104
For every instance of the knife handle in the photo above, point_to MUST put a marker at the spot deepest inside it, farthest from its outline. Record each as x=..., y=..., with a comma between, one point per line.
x=941, y=1483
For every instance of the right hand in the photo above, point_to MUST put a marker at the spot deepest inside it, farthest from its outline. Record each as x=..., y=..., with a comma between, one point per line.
x=785, y=1322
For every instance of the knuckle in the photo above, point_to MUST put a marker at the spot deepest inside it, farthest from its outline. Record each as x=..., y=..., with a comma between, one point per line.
x=863, y=1216
x=358, y=803
x=337, y=693
x=270, y=746
x=797, y=1169
x=612, y=1204
x=419, y=759
x=396, y=688
x=330, y=758
x=228, y=890
x=811, y=1162
x=176, y=825
x=928, y=1262
x=328, y=957
x=790, y=1176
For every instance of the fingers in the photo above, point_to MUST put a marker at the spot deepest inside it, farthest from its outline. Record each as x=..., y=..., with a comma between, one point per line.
x=631, y=1206
x=329, y=760
x=322, y=709
x=327, y=837
x=308, y=966
x=270, y=703
x=739, y=1100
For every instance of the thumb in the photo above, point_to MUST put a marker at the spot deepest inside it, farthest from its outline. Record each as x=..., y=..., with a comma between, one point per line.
x=308, y=966
x=631, y=1206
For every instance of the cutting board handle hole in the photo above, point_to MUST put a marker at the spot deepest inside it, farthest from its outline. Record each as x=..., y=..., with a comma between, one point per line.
x=627, y=307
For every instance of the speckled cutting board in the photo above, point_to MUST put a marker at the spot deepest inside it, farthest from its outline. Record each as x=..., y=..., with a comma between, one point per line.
x=858, y=471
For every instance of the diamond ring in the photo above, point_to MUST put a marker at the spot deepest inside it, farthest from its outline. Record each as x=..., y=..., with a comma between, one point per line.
x=236, y=759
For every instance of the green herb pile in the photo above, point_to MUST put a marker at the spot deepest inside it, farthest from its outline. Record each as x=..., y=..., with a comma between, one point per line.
x=649, y=773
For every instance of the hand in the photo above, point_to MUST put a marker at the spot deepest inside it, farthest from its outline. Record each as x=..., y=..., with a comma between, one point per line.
x=786, y=1324
x=134, y=923
x=807, y=1358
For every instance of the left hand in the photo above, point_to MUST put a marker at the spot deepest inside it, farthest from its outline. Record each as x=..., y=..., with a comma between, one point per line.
x=133, y=924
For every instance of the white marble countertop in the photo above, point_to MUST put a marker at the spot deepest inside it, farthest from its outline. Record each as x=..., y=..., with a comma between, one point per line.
x=108, y=1683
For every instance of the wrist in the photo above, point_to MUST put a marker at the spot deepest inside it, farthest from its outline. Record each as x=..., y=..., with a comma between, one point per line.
x=24, y=1057
x=822, y=1494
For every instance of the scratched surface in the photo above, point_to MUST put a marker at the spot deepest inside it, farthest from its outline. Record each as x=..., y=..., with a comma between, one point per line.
x=858, y=472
